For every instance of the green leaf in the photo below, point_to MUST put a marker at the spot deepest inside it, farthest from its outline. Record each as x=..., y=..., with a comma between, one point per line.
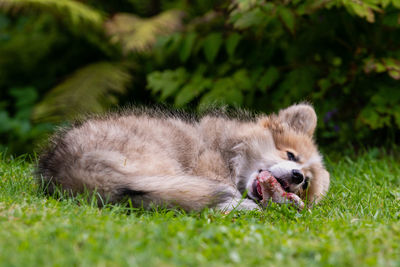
x=362, y=9
x=231, y=43
x=288, y=18
x=396, y=3
x=24, y=96
x=385, y=3
x=295, y=84
x=337, y=61
x=252, y=18
x=223, y=92
x=5, y=122
x=75, y=12
x=391, y=63
x=379, y=67
x=192, y=89
x=242, y=80
x=391, y=19
x=221, y=97
x=186, y=50
x=395, y=74
x=324, y=84
x=211, y=46
x=89, y=89
x=137, y=34
x=167, y=82
x=268, y=79
x=24, y=101
x=372, y=118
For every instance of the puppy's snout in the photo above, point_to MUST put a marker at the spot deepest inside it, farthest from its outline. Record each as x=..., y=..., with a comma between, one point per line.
x=297, y=176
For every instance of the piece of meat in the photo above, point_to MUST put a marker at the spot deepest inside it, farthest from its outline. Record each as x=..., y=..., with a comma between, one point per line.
x=271, y=189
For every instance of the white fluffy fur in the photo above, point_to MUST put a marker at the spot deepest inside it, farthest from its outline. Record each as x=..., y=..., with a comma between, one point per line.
x=192, y=164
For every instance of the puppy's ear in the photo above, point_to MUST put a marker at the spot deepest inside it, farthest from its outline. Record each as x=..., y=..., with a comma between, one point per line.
x=300, y=117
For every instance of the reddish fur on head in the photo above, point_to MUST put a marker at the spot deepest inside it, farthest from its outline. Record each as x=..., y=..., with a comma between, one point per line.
x=292, y=130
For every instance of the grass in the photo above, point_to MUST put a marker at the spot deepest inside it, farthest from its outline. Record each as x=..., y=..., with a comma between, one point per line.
x=358, y=224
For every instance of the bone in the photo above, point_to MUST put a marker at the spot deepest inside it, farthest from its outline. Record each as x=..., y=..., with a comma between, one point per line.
x=272, y=190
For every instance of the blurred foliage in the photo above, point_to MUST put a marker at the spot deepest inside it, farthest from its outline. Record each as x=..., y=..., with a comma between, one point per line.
x=84, y=56
x=87, y=90
x=73, y=12
x=138, y=34
x=16, y=130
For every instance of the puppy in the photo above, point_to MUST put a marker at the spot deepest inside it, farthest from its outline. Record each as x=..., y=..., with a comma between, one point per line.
x=213, y=161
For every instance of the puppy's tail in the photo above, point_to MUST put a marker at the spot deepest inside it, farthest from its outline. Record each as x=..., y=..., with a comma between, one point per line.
x=114, y=179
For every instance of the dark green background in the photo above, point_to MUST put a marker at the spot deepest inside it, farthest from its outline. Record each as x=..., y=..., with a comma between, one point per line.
x=60, y=59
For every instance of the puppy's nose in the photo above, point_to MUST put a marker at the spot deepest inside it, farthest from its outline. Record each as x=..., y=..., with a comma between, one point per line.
x=297, y=176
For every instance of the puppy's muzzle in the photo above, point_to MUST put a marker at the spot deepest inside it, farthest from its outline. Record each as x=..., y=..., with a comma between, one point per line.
x=297, y=176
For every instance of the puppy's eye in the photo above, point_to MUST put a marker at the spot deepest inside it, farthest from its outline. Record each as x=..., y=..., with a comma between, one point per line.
x=291, y=156
x=306, y=183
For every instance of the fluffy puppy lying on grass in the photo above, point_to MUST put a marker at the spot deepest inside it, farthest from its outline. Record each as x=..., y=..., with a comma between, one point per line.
x=155, y=159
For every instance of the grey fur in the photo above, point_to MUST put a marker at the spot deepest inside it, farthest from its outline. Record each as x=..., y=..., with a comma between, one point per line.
x=156, y=157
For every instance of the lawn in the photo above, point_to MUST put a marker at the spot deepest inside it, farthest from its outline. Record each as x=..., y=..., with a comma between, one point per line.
x=358, y=224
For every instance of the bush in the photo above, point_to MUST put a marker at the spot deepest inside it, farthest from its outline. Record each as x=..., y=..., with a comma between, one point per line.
x=343, y=56
x=17, y=132
x=340, y=55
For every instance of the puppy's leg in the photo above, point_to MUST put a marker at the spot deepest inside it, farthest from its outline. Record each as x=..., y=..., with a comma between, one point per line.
x=234, y=201
x=190, y=193
x=237, y=204
x=107, y=174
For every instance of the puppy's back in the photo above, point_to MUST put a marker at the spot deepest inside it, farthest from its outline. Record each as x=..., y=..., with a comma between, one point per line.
x=163, y=145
